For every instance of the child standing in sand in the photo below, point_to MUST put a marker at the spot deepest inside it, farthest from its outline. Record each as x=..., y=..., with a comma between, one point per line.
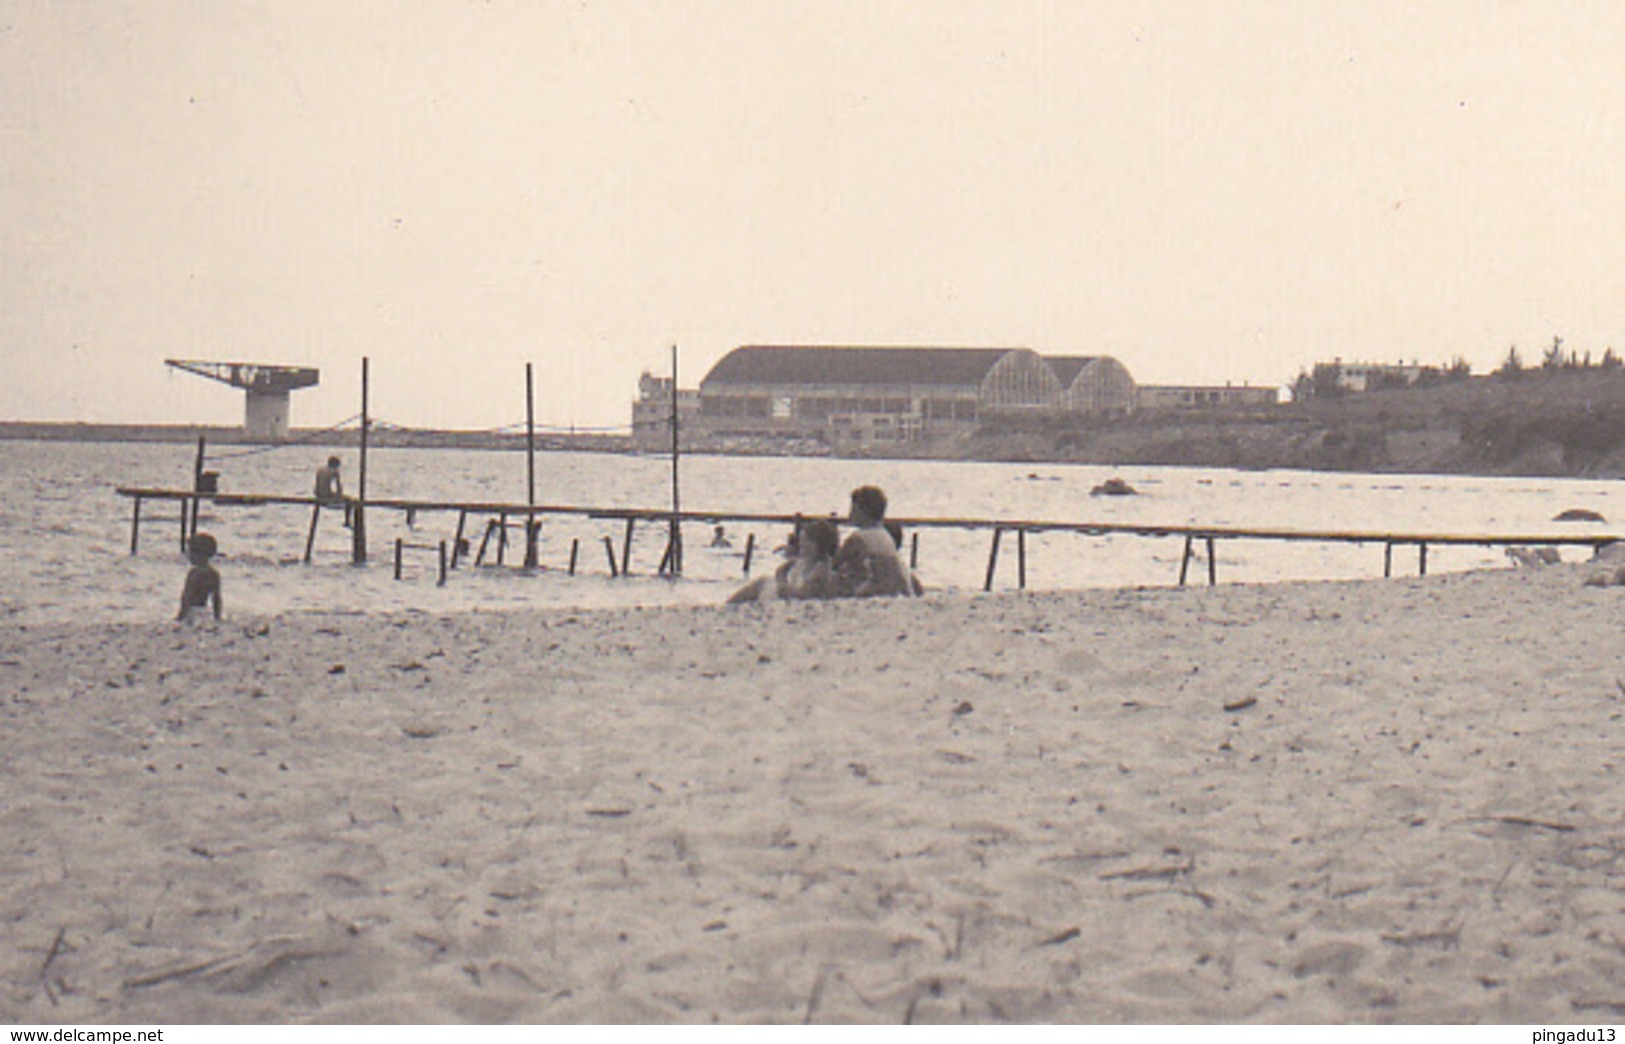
x=202, y=580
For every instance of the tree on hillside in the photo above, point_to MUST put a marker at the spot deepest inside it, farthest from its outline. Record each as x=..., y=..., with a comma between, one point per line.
x=1512, y=366
x=1610, y=361
x=1552, y=361
x=1302, y=388
x=1460, y=369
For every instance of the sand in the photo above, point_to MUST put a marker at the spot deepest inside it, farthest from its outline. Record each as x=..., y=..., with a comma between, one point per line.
x=1387, y=801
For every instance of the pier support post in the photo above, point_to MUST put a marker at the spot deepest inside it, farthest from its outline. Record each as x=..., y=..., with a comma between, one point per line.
x=310, y=537
x=135, y=526
x=1185, y=559
x=533, y=529
x=626, y=548
x=479, y=559
x=609, y=550
x=442, y=580
x=992, y=559
x=575, y=546
x=1387, y=560
x=457, y=541
x=913, y=551
x=750, y=548
x=1212, y=564
x=1021, y=559
x=1422, y=560
x=399, y=548
x=185, y=521
x=502, y=538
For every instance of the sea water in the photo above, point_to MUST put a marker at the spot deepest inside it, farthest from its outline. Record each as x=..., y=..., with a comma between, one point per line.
x=65, y=534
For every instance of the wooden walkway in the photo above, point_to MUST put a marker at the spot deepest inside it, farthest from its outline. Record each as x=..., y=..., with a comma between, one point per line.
x=501, y=516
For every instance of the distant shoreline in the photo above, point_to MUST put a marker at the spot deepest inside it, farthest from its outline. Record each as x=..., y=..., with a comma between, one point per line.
x=390, y=438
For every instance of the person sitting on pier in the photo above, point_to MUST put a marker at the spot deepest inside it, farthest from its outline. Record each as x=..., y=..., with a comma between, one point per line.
x=808, y=573
x=330, y=487
x=868, y=563
x=202, y=580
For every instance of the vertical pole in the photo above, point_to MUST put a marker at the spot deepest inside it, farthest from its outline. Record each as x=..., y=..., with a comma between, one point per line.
x=358, y=519
x=913, y=551
x=135, y=526
x=530, y=469
x=184, y=523
x=1387, y=560
x=575, y=546
x=1212, y=564
x=1422, y=560
x=609, y=550
x=676, y=499
x=1021, y=559
x=197, y=482
x=992, y=558
x=457, y=541
x=750, y=547
x=399, y=545
x=626, y=548
x=502, y=538
x=1185, y=559
x=442, y=582
x=484, y=540
x=310, y=537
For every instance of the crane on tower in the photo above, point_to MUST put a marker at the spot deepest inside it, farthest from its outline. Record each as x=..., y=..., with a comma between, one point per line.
x=267, y=389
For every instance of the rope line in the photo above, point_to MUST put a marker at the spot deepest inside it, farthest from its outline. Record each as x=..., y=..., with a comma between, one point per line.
x=302, y=440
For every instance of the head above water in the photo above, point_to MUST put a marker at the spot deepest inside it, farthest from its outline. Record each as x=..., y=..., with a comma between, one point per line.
x=820, y=538
x=332, y=462
x=201, y=548
x=868, y=505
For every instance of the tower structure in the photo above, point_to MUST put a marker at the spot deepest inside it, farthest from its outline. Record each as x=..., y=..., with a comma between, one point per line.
x=268, y=390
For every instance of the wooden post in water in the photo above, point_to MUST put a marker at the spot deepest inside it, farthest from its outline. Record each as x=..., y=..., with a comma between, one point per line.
x=992, y=558
x=184, y=523
x=1212, y=564
x=457, y=541
x=1422, y=560
x=1185, y=559
x=399, y=549
x=1388, y=559
x=750, y=547
x=913, y=551
x=676, y=540
x=358, y=517
x=502, y=538
x=626, y=548
x=135, y=526
x=1021, y=559
x=310, y=537
x=530, y=469
x=479, y=559
x=197, y=484
x=609, y=550
x=575, y=546
x=442, y=582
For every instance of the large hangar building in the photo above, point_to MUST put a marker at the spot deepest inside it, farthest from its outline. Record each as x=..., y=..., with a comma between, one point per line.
x=850, y=397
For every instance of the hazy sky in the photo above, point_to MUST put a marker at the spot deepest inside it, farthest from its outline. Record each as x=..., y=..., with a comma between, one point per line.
x=1207, y=191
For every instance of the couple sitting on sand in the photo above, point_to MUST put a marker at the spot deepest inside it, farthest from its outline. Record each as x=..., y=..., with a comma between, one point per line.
x=821, y=566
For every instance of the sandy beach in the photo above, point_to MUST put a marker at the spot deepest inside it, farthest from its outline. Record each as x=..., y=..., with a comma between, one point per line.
x=1385, y=801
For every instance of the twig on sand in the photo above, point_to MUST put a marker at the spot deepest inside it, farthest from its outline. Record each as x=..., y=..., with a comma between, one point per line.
x=186, y=971
x=1151, y=873
x=1066, y=936
x=56, y=948
x=813, y=996
x=1562, y=828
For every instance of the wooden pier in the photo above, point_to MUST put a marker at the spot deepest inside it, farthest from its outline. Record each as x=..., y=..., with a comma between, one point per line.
x=500, y=517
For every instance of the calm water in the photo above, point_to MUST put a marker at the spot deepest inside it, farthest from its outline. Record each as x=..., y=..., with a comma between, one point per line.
x=64, y=534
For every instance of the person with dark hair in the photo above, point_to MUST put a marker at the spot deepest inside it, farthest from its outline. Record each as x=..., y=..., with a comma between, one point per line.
x=329, y=486
x=807, y=574
x=202, y=580
x=867, y=563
